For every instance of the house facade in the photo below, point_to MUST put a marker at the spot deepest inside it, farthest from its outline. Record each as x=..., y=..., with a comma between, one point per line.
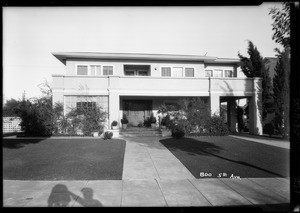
x=137, y=84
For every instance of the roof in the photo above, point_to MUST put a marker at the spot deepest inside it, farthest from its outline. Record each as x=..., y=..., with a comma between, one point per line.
x=63, y=56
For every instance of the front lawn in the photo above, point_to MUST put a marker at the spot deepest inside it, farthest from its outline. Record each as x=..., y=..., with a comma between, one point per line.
x=63, y=159
x=225, y=155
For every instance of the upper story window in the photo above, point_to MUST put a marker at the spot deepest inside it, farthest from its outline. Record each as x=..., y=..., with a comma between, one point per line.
x=228, y=73
x=166, y=71
x=82, y=70
x=95, y=69
x=107, y=70
x=218, y=73
x=208, y=73
x=189, y=72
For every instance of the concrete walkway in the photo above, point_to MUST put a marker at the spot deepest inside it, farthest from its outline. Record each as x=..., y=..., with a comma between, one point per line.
x=272, y=142
x=152, y=176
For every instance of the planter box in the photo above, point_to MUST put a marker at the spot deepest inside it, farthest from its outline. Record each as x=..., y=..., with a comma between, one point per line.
x=153, y=126
x=124, y=126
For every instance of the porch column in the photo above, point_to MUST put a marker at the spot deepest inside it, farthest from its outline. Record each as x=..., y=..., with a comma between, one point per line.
x=232, y=115
x=113, y=100
x=214, y=102
x=113, y=107
x=255, y=108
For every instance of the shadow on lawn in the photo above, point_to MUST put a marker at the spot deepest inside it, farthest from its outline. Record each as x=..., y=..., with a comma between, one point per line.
x=19, y=143
x=197, y=147
x=191, y=146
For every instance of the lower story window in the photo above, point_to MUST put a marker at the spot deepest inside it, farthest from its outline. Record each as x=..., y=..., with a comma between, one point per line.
x=86, y=105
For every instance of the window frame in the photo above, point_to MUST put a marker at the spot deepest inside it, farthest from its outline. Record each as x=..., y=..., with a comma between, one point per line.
x=166, y=75
x=226, y=70
x=95, y=65
x=88, y=69
x=221, y=73
x=189, y=68
x=107, y=65
x=211, y=72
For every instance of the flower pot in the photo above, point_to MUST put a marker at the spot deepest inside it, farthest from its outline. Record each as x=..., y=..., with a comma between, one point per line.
x=163, y=127
x=95, y=134
x=124, y=126
x=153, y=125
x=114, y=127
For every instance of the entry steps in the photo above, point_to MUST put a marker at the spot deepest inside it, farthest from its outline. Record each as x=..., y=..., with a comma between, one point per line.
x=140, y=131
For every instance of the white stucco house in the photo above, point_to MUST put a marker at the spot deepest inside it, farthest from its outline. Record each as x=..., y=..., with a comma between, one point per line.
x=136, y=84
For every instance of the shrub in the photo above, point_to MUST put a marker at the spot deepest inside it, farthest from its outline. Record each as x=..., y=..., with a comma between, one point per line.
x=140, y=124
x=269, y=129
x=147, y=122
x=124, y=120
x=218, y=126
x=165, y=120
x=107, y=135
x=178, y=132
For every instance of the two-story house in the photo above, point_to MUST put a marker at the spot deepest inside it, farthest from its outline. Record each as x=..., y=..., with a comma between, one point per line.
x=136, y=84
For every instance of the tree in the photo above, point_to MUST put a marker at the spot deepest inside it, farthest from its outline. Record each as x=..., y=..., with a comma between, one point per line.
x=281, y=24
x=281, y=93
x=254, y=66
x=281, y=81
x=10, y=107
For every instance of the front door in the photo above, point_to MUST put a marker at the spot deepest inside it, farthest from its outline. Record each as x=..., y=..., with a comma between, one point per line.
x=137, y=110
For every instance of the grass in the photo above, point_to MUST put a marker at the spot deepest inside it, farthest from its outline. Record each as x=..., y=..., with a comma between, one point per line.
x=225, y=154
x=63, y=159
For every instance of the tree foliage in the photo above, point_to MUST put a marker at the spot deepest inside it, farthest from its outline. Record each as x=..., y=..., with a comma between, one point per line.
x=254, y=66
x=281, y=24
x=281, y=93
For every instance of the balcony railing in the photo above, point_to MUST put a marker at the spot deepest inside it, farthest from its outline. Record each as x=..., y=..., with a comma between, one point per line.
x=160, y=86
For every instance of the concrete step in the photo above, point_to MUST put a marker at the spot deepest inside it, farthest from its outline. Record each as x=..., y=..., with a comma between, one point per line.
x=140, y=131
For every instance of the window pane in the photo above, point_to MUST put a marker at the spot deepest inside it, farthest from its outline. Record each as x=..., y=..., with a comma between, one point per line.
x=166, y=71
x=189, y=72
x=129, y=72
x=208, y=73
x=229, y=73
x=143, y=73
x=82, y=70
x=107, y=70
x=218, y=73
x=98, y=70
x=93, y=69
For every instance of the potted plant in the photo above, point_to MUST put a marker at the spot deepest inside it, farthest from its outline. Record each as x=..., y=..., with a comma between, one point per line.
x=152, y=121
x=114, y=124
x=124, y=121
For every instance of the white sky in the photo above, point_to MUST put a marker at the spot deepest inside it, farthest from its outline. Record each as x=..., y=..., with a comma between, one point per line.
x=30, y=34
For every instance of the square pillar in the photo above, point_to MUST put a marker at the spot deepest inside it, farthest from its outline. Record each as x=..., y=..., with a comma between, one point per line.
x=255, y=108
x=113, y=108
x=214, y=103
x=232, y=115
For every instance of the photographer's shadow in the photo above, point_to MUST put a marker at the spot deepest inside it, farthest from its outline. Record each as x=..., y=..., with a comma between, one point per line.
x=61, y=197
